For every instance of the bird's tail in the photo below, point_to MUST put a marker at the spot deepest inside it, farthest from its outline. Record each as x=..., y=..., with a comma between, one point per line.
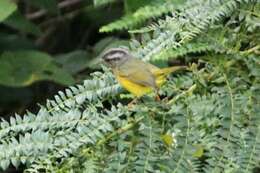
x=168, y=70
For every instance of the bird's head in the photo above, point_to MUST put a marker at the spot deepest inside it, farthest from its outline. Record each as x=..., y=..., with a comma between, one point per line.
x=115, y=57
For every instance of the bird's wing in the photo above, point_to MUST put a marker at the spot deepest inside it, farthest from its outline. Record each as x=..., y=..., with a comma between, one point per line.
x=138, y=72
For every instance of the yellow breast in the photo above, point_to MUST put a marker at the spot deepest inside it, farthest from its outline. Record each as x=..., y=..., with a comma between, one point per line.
x=136, y=89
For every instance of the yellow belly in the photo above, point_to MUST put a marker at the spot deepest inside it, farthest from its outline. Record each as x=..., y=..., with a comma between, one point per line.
x=136, y=89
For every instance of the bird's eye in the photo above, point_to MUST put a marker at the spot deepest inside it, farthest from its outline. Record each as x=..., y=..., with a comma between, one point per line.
x=114, y=59
x=110, y=60
x=117, y=59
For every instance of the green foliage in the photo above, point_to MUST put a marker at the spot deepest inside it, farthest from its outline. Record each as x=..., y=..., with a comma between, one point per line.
x=21, y=64
x=151, y=10
x=7, y=40
x=21, y=68
x=176, y=30
x=50, y=5
x=208, y=118
x=6, y=9
x=74, y=62
x=102, y=2
x=19, y=22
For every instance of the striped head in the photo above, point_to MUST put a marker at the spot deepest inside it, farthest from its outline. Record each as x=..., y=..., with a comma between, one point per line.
x=115, y=57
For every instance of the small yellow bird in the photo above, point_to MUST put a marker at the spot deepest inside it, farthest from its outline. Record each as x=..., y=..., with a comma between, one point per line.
x=136, y=76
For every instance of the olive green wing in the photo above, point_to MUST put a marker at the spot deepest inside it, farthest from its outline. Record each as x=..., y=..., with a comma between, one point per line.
x=138, y=72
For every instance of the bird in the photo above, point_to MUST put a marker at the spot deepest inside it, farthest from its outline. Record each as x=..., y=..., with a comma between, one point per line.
x=136, y=76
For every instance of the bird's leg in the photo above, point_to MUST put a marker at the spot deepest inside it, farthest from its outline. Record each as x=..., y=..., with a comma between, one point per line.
x=157, y=97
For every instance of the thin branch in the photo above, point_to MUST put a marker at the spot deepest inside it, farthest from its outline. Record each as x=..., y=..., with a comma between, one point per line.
x=119, y=131
x=190, y=90
x=252, y=50
x=61, y=5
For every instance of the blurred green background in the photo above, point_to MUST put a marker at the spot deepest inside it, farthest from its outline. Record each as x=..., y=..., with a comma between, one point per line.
x=46, y=45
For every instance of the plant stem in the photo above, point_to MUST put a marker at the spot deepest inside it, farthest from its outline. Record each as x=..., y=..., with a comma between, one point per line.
x=190, y=90
x=119, y=131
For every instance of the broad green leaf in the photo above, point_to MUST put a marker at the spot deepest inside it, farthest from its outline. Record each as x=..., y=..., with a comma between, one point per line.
x=17, y=21
x=14, y=42
x=7, y=7
x=75, y=61
x=22, y=68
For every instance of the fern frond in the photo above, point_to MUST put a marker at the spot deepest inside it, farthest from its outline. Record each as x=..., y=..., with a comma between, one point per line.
x=212, y=110
x=147, y=150
x=249, y=155
x=187, y=48
x=177, y=30
x=250, y=160
x=140, y=16
x=100, y=86
x=232, y=138
x=90, y=127
x=25, y=149
x=42, y=121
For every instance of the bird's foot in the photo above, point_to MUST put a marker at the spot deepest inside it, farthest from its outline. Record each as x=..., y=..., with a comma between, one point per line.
x=157, y=98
